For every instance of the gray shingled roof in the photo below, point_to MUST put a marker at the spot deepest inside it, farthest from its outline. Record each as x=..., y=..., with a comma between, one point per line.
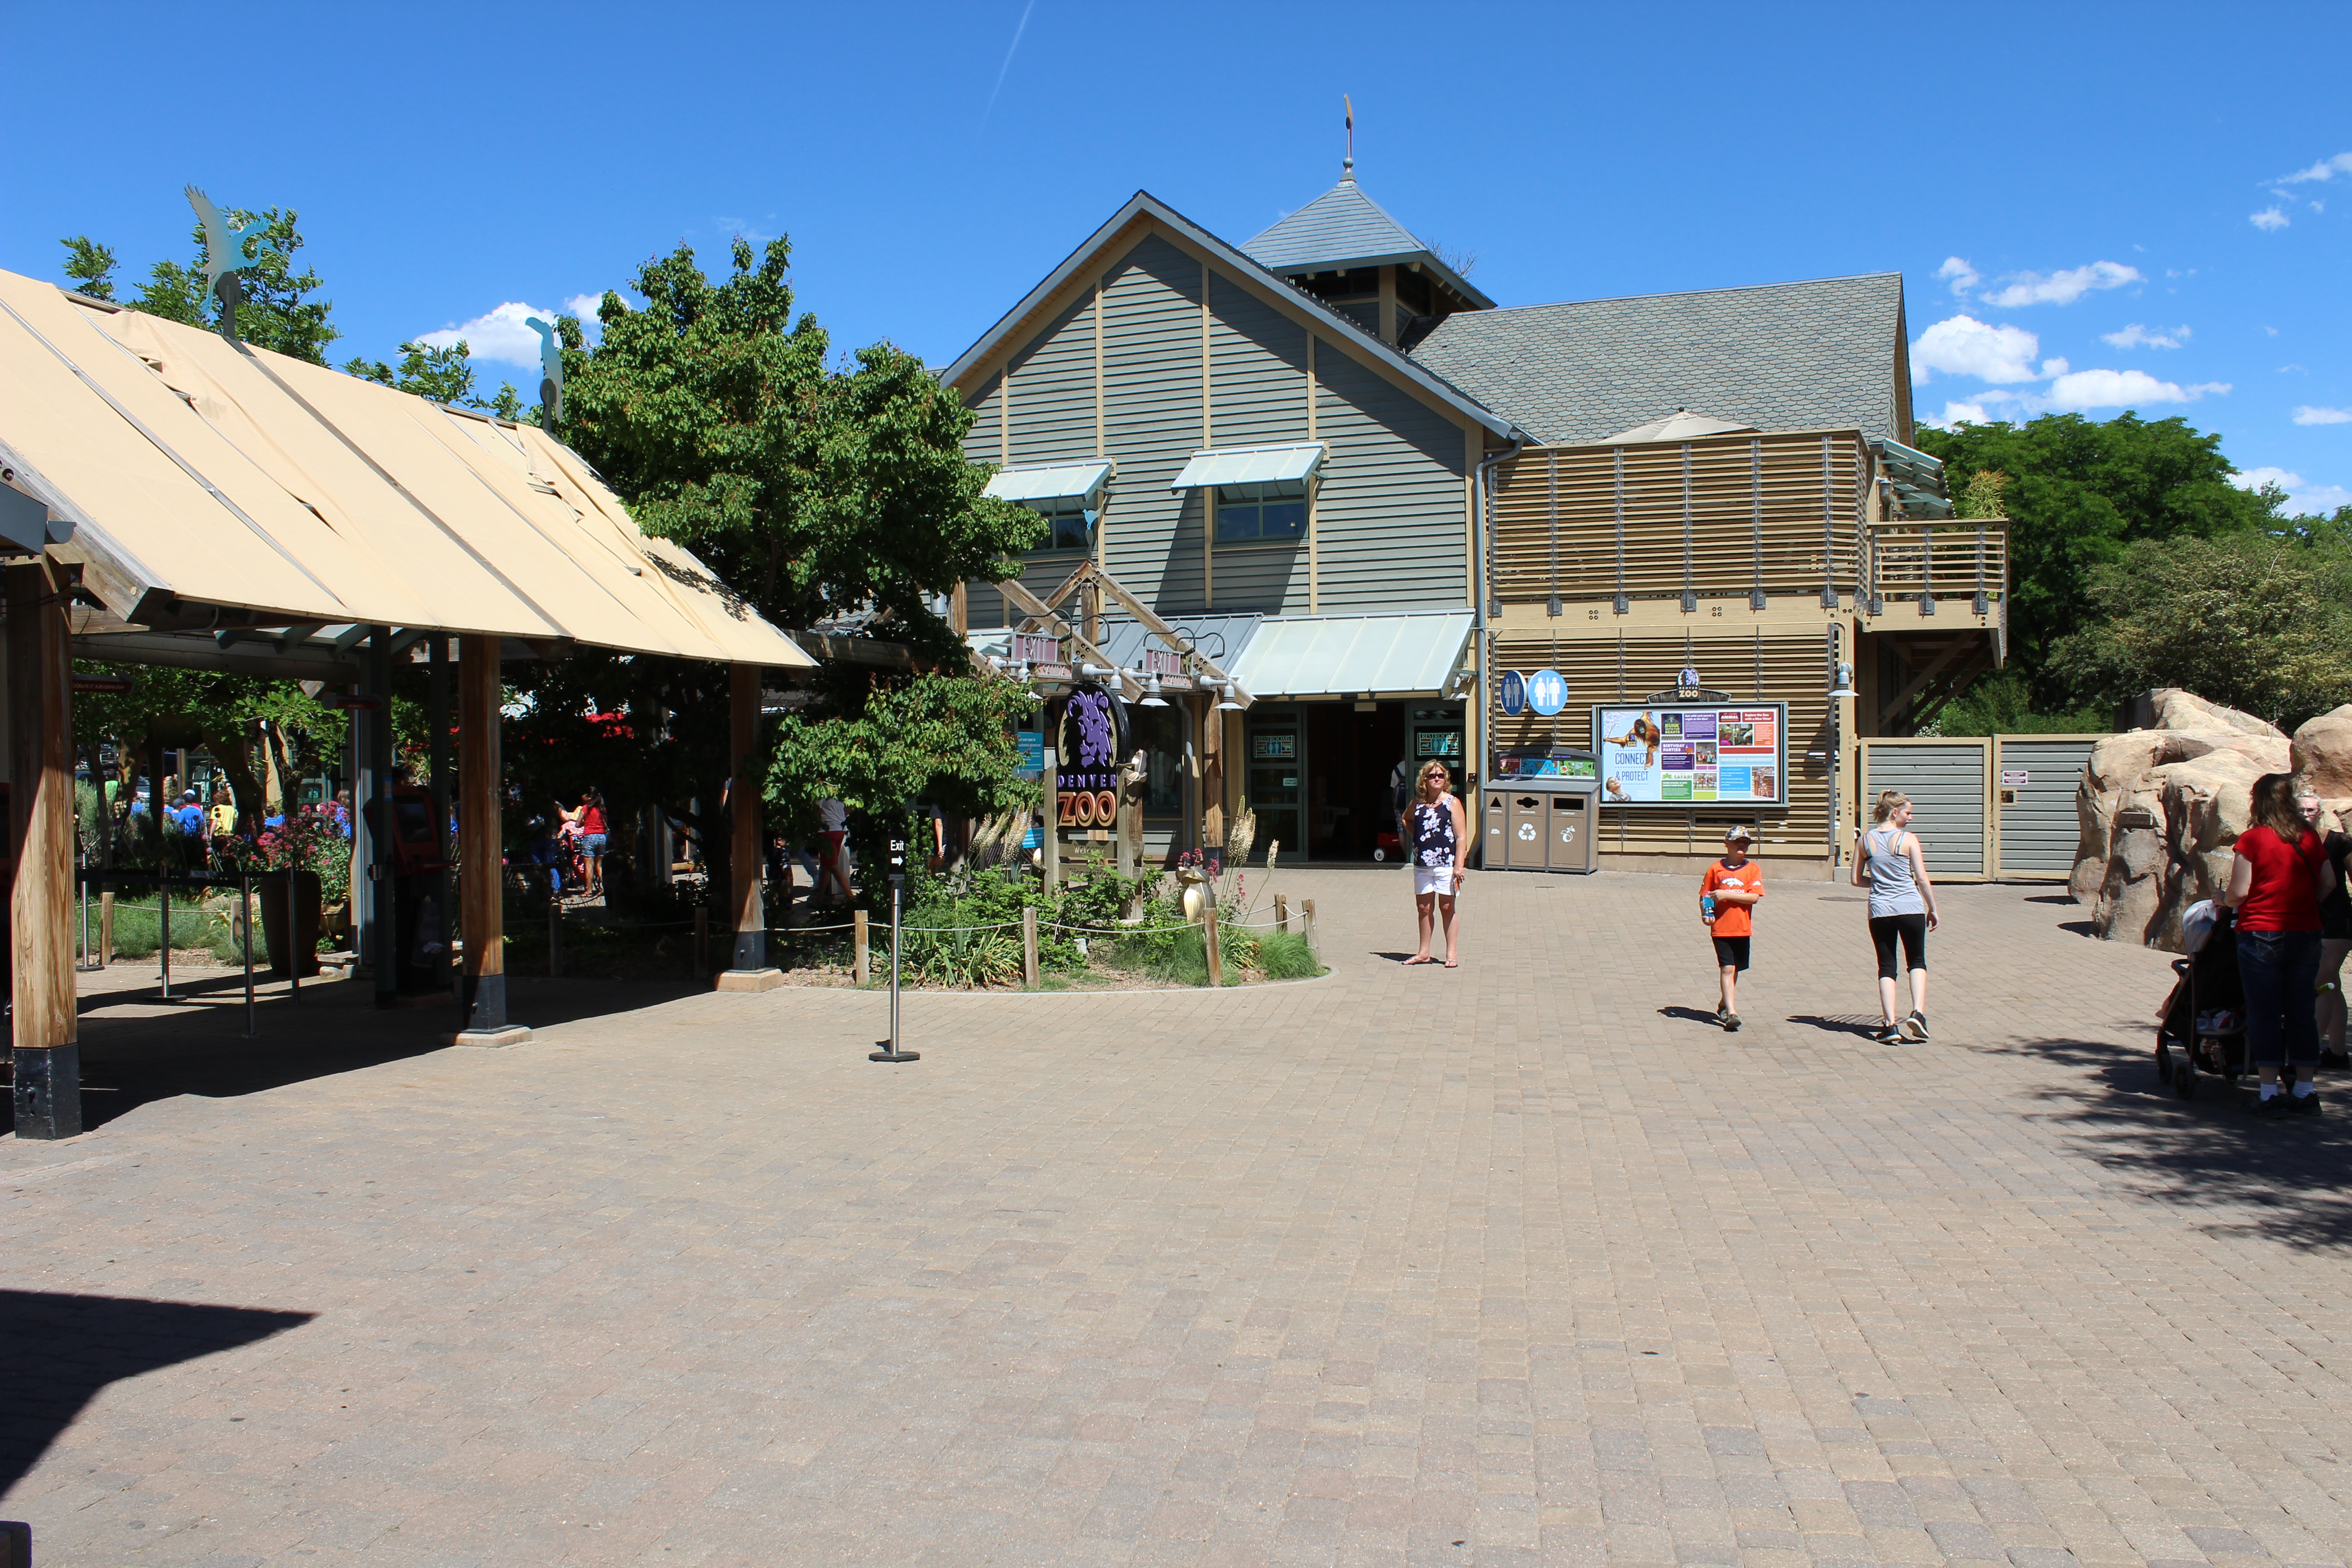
x=1342, y=224
x=1781, y=356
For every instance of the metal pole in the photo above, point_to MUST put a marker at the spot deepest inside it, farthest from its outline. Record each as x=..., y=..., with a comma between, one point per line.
x=164, y=907
x=244, y=941
x=294, y=968
x=891, y=1051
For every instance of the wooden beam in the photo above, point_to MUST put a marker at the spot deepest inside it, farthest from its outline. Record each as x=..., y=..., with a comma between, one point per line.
x=47, y=1058
x=481, y=872
x=747, y=970
x=1169, y=635
x=1029, y=604
x=1889, y=709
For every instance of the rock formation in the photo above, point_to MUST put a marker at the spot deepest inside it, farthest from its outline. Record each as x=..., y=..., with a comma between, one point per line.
x=2160, y=808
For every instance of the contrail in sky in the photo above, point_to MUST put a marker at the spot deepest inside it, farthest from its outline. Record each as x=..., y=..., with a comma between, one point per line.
x=1007, y=65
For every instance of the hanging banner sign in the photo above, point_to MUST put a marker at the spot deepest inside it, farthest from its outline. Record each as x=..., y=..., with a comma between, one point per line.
x=1511, y=694
x=1090, y=732
x=1547, y=692
x=1679, y=755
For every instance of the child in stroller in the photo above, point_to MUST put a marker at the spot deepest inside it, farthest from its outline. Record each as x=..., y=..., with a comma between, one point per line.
x=2205, y=1016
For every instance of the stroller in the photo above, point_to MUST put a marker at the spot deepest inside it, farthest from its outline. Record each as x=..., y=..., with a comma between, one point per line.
x=2205, y=1017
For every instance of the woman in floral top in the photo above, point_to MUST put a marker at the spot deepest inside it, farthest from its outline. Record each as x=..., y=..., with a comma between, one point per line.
x=1435, y=829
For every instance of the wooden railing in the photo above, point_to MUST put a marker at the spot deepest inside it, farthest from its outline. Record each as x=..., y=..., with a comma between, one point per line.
x=1946, y=560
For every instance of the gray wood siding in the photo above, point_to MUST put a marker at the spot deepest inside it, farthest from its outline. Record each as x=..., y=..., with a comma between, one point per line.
x=1945, y=783
x=1053, y=391
x=1151, y=414
x=1389, y=514
x=1388, y=517
x=2039, y=829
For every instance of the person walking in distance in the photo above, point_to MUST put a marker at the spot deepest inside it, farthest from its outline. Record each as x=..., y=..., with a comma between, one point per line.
x=2278, y=876
x=2334, y=936
x=1893, y=864
x=590, y=821
x=1433, y=829
x=1728, y=896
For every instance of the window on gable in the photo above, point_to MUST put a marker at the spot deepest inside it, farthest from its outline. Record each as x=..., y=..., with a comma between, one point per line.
x=1272, y=511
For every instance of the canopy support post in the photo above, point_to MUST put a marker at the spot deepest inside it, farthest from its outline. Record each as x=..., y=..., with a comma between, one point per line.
x=47, y=1056
x=481, y=870
x=382, y=918
x=747, y=970
x=436, y=719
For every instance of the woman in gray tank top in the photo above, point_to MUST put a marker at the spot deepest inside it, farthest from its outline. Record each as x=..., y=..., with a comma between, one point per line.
x=1891, y=862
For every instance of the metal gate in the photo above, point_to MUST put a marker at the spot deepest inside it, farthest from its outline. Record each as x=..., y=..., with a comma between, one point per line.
x=2037, y=778
x=1948, y=782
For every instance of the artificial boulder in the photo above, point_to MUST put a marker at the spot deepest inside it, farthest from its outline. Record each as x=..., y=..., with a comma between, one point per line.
x=2323, y=754
x=2160, y=809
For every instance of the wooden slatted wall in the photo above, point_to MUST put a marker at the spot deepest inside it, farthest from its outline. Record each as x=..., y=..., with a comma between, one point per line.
x=1720, y=516
x=1794, y=670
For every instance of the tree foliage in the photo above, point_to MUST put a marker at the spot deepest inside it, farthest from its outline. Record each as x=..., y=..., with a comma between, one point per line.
x=89, y=267
x=2078, y=494
x=444, y=375
x=2261, y=623
x=812, y=490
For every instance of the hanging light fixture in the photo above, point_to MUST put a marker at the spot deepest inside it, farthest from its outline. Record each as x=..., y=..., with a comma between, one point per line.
x=1225, y=703
x=1841, y=687
x=1151, y=697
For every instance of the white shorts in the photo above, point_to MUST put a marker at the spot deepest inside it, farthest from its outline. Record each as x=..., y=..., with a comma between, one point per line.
x=1439, y=879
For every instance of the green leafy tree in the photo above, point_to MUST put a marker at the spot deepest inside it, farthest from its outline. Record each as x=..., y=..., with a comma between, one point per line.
x=2261, y=623
x=445, y=374
x=277, y=311
x=2077, y=493
x=89, y=267
x=812, y=490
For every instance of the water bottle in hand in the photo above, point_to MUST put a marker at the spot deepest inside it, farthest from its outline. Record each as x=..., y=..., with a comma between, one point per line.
x=1706, y=907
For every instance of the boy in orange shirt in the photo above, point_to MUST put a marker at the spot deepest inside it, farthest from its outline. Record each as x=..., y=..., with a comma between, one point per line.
x=1726, y=895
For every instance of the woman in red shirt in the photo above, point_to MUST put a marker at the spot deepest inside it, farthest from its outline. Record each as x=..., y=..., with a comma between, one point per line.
x=2276, y=881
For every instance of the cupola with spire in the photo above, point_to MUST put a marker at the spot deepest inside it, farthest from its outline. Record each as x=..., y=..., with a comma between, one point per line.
x=1345, y=250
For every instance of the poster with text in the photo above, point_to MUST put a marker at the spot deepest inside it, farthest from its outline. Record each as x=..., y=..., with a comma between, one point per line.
x=1684, y=754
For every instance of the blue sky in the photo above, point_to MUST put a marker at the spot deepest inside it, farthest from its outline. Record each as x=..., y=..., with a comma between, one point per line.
x=2092, y=208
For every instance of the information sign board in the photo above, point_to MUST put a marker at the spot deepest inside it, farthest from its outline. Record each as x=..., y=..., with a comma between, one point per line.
x=1678, y=756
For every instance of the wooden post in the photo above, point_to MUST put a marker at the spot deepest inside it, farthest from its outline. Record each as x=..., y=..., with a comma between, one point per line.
x=481, y=871
x=746, y=966
x=1209, y=946
x=48, y=1059
x=1307, y=923
x=857, y=946
x=1281, y=913
x=1052, y=837
x=1029, y=945
x=106, y=928
x=436, y=719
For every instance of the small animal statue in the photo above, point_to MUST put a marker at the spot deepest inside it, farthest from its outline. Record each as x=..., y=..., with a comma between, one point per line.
x=224, y=255
x=551, y=369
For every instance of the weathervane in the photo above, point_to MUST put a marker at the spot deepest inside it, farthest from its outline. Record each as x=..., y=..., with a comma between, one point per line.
x=551, y=370
x=225, y=257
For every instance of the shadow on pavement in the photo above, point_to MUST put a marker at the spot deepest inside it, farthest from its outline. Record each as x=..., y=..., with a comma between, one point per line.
x=2284, y=1179
x=1691, y=1015
x=67, y=1348
x=1863, y=1024
x=136, y=1048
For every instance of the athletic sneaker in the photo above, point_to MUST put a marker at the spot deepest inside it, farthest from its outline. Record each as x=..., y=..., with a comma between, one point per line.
x=1887, y=1035
x=2304, y=1104
x=1731, y=1023
x=2277, y=1106
x=1914, y=1028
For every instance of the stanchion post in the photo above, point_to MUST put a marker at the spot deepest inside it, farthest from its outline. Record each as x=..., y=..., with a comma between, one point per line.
x=1051, y=840
x=1029, y=945
x=105, y=926
x=892, y=1049
x=245, y=942
x=1281, y=913
x=857, y=968
x=1307, y=923
x=163, y=908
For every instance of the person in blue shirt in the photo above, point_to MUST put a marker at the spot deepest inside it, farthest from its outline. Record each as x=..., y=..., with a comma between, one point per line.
x=189, y=816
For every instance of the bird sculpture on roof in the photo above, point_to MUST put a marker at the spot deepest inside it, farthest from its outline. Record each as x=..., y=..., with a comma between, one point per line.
x=551, y=369
x=224, y=255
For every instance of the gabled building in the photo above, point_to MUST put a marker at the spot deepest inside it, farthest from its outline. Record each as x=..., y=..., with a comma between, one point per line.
x=1307, y=434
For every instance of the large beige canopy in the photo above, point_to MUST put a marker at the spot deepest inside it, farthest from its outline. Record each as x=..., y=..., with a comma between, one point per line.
x=200, y=475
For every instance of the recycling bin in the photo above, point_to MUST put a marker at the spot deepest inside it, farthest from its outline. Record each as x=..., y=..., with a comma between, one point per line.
x=1541, y=824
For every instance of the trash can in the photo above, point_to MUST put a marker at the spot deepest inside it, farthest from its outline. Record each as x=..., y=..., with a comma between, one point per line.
x=1541, y=824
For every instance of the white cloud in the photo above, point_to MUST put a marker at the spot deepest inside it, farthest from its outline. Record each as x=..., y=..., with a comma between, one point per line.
x=2124, y=389
x=2308, y=415
x=498, y=334
x=2051, y=367
x=1958, y=413
x=2063, y=288
x=584, y=306
x=2326, y=169
x=2319, y=206
x=1959, y=274
x=2138, y=337
x=1962, y=345
x=2268, y=219
x=2302, y=499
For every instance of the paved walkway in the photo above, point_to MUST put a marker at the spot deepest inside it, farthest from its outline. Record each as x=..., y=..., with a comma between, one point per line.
x=1519, y=1264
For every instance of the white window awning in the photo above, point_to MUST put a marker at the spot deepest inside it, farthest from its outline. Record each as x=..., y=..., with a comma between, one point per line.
x=1249, y=464
x=1412, y=654
x=1059, y=481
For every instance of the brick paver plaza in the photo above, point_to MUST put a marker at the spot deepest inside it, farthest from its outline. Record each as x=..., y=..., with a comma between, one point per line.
x=1524, y=1263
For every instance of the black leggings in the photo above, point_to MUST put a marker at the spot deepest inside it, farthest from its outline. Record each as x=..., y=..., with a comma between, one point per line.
x=1912, y=929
